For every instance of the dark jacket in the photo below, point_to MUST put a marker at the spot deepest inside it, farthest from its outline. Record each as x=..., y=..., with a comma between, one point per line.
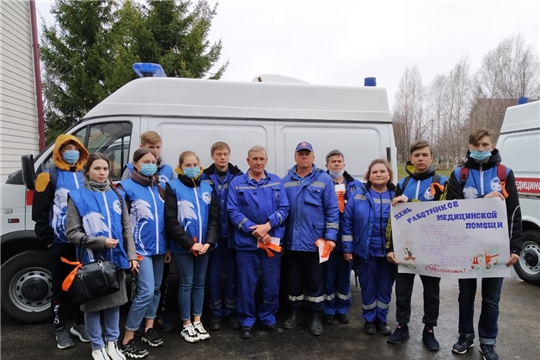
x=487, y=171
x=175, y=230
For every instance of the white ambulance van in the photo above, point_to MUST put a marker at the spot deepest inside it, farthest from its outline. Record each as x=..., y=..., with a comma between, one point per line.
x=192, y=115
x=519, y=145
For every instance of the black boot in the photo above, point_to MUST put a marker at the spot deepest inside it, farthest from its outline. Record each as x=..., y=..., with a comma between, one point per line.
x=294, y=319
x=316, y=324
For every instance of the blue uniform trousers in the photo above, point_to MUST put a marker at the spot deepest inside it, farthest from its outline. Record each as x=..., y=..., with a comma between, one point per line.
x=305, y=279
x=250, y=262
x=376, y=277
x=222, y=259
x=337, y=284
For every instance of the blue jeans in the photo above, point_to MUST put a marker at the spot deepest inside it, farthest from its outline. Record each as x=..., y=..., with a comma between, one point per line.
x=191, y=272
x=146, y=300
x=93, y=326
x=222, y=259
x=487, y=324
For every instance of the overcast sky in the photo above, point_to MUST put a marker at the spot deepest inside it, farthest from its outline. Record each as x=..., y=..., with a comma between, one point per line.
x=340, y=42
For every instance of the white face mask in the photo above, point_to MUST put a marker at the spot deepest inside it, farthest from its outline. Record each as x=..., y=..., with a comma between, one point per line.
x=336, y=174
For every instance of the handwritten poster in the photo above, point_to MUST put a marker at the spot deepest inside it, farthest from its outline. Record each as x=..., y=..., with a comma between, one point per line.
x=452, y=239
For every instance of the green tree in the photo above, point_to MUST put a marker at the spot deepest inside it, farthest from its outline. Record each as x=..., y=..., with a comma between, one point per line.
x=88, y=53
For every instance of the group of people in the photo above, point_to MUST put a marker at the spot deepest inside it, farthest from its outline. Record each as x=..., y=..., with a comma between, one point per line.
x=220, y=218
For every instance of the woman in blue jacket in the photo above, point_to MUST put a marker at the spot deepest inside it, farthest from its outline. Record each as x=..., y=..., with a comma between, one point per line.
x=364, y=228
x=97, y=219
x=192, y=224
x=145, y=197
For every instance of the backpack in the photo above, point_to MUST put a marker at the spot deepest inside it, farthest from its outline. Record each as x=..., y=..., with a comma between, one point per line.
x=435, y=184
x=501, y=174
x=53, y=178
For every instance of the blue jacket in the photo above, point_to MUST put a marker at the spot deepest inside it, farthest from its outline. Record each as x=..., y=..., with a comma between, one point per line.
x=419, y=185
x=191, y=214
x=147, y=215
x=314, y=211
x=101, y=214
x=165, y=172
x=221, y=190
x=351, y=184
x=67, y=181
x=254, y=203
x=360, y=228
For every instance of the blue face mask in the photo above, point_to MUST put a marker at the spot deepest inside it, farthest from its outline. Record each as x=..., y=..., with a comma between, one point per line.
x=71, y=156
x=148, y=169
x=335, y=174
x=480, y=155
x=191, y=172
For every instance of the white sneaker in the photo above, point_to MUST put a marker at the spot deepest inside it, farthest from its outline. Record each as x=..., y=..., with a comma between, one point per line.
x=202, y=334
x=100, y=354
x=189, y=334
x=114, y=352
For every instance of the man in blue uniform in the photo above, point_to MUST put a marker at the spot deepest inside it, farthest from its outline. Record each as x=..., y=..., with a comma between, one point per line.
x=337, y=270
x=223, y=257
x=258, y=207
x=313, y=215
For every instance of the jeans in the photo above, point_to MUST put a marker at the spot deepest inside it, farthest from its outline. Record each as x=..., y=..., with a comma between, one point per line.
x=222, y=258
x=191, y=273
x=93, y=326
x=487, y=324
x=146, y=300
x=404, y=289
x=61, y=304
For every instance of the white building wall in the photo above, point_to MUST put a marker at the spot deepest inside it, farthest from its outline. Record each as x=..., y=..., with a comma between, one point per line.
x=18, y=114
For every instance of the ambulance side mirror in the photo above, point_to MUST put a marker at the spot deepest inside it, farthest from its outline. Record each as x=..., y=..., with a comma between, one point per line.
x=28, y=172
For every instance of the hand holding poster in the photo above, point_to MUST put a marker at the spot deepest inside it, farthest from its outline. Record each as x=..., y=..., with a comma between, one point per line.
x=452, y=239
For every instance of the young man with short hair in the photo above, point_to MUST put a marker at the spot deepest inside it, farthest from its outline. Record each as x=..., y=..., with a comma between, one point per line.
x=422, y=184
x=219, y=175
x=479, y=177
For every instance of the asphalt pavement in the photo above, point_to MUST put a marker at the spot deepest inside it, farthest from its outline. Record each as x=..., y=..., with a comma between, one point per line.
x=519, y=334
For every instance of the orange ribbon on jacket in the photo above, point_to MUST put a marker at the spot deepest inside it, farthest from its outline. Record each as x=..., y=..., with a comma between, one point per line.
x=326, y=250
x=341, y=200
x=269, y=247
x=71, y=276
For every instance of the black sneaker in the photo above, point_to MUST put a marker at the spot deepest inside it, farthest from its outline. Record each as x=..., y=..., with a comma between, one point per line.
x=463, y=344
x=215, y=323
x=246, y=332
x=428, y=338
x=369, y=328
x=151, y=338
x=162, y=321
x=488, y=352
x=400, y=334
x=133, y=350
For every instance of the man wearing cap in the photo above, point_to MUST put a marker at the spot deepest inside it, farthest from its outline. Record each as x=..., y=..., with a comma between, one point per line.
x=313, y=215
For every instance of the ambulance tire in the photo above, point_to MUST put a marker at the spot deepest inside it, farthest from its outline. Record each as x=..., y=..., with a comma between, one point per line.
x=27, y=287
x=528, y=266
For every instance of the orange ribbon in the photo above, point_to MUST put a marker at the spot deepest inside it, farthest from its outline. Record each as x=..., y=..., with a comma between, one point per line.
x=435, y=186
x=341, y=200
x=268, y=247
x=71, y=276
x=326, y=250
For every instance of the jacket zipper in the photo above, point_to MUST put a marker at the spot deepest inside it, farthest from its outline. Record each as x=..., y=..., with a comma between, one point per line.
x=199, y=214
x=156, y=220
x=382, y=239
x=481, y=180
x=76, y=180
x=108, y=217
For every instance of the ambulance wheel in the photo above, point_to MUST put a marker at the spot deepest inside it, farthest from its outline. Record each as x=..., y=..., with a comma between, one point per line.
x=27, y=287
x=528, y=266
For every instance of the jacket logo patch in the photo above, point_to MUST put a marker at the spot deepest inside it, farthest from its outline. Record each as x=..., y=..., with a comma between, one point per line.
x=94, y=225
x=496, y=184
x=428, y=195
x=470, y=193
x=163, y=178
x=206, y=197
x=116, y=207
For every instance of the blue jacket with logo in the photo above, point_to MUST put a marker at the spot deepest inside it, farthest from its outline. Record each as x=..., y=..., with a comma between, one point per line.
x=364, y=225
x=67, y=181
x=101, y=214
x=254, y=203
x=220, y=187
x=419, y=185
x=314, y=211
x=147, y=215
x=191, y=214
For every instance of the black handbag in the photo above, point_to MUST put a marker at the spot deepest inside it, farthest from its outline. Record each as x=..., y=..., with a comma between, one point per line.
x=93, y=280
